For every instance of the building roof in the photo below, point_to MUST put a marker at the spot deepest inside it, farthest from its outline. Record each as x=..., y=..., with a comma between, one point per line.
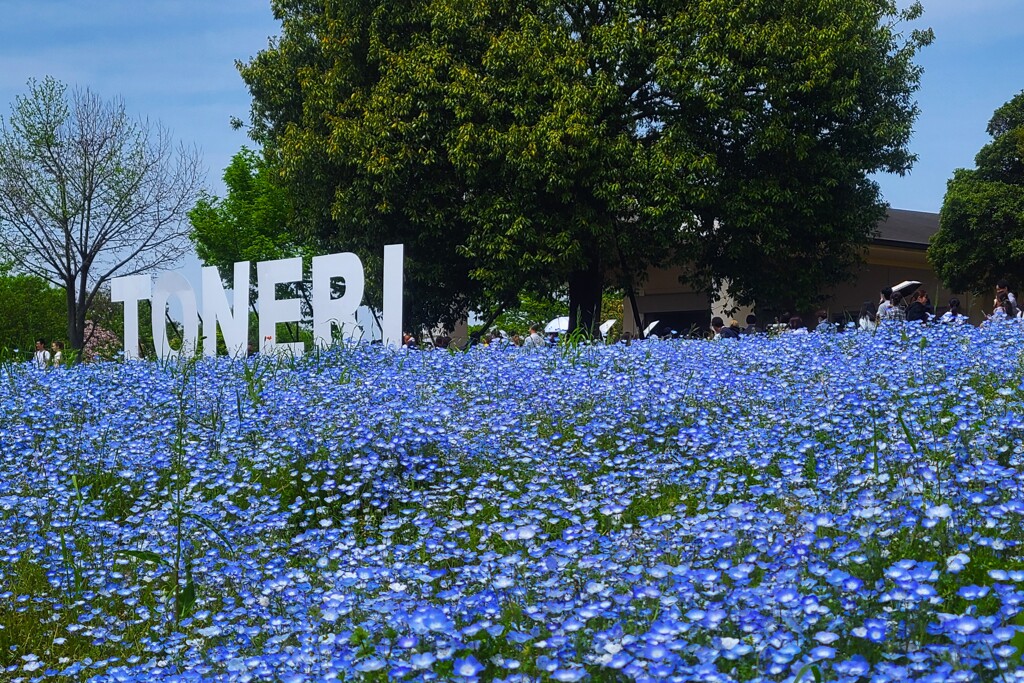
x=908, y=229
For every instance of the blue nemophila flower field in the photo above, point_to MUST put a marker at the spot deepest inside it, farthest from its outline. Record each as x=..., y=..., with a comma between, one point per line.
x=820, y=507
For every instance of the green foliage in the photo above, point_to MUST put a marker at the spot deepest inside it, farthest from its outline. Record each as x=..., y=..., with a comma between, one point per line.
x=532, y=309
x=250, y=223
x=812, y=97
x=527, y=146
x=29, y=309
x=981, y=229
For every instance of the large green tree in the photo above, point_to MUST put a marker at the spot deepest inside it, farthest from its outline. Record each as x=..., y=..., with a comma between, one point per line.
x=88, y=193
x=529, y=145
x=981, y=225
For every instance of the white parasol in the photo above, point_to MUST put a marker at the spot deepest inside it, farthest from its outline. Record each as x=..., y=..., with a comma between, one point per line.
x=559, y=325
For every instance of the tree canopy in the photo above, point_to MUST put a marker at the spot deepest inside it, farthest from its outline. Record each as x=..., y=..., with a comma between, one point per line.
x=250, y=223
x=527, y=145
x=981, y=225
x=88, y=193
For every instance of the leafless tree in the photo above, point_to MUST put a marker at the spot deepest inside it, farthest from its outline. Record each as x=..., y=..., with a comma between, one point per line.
x=88, y=193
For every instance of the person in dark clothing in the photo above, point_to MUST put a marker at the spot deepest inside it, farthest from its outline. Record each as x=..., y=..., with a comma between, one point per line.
x=917, y=310
x=751, y=327
x=722, y=331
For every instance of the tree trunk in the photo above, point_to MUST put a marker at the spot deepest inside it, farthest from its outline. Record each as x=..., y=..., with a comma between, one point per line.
x=585, y=288
x=76, y=322
x=631, y=293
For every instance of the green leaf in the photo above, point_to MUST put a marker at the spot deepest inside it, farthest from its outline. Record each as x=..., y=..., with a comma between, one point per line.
x=1018, y=641
x=813, y=669
x=185, y=599
x=906, y=432
x=209, y=525
x=144, y=555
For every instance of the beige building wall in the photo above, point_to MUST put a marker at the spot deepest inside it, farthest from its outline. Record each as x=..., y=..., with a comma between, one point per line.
x=663, y=297
x=890, y=265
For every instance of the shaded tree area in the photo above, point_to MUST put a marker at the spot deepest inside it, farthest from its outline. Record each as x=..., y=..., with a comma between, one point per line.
x=30, y=309
x=802, y=102
x=526, y=146
x=981, y=224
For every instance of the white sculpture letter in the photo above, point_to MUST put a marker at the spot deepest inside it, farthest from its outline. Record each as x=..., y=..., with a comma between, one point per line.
x=131, y=290
x=168, y=285
x=391, y=325
x=273, y=310
x=340, y=311
x=234, y=324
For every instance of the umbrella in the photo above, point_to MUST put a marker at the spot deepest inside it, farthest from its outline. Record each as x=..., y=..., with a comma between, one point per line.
x=606, y=326
x=557, y=325
x=904, y=286
x=647, y=330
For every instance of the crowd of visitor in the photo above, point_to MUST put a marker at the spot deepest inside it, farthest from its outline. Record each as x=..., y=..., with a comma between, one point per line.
x=892, y=306
x=43, y=357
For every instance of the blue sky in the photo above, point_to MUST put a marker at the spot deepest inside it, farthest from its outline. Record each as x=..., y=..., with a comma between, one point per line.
x=170, y=60
x=174, y=61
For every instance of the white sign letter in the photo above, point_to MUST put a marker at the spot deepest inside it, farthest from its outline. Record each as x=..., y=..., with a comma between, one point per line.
x=234, y=326
x=391, y=325
x=340, y=311
x=274, y=310
x=131, y=290
x=168, y=285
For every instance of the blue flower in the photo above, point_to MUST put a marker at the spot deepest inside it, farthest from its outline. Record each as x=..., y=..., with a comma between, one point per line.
x=468, y=667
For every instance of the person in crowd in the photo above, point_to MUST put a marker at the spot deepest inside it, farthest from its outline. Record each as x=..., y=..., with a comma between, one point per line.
x=781, y=323
x=751, y=327
x=796, y=325
x=1009, y=308
x=721, y=331
x=1003, y=309
x=897, y=310
x=928, y=306
x=953, y=316
x=868, y=318
x=917, y=311
x=57, y=353
x=822, y=325
x=535, y=340
x=41, y=357
x=442, y=341
x=517, y=340
x=409, y=340
x=1003, y=289
x=884, y=305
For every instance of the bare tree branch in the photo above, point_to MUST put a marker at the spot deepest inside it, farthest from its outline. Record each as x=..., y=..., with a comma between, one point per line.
x=88, y=193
